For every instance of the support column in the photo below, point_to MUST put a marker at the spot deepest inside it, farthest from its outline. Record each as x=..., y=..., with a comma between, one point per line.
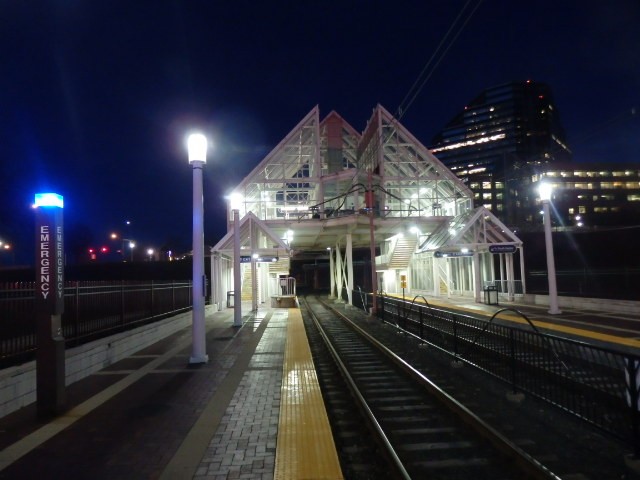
x=349, y=255
x=501, y=259
x=339, y=276
x=212, y=276
x=237, y=294
x=332, y=273
x=477, y=277
x=254, y=270
x=522, y=277
x=509, y=261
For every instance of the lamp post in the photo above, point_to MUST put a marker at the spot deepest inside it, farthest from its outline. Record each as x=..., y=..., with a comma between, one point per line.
x=545, y=195
x=114, y=236
x=197, y=147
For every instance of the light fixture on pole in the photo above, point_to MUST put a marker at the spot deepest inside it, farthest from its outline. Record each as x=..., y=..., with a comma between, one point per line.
x=197, y=147
x=545, y=195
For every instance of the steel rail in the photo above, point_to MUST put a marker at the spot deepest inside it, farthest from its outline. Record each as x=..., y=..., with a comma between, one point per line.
x=529, y=465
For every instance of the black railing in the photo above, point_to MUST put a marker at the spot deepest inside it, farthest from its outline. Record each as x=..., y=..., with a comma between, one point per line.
x=91, y=310
x=597, y=384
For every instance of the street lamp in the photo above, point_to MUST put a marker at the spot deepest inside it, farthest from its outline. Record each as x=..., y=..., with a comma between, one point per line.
x=545, y=195
x=197, y=148
x=132, y=244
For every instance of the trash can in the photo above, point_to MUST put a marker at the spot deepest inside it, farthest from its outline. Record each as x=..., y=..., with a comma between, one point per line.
x=491, y=295
x=230, y=299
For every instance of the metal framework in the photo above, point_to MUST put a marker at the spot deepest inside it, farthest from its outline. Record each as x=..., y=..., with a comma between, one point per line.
x=326, y=186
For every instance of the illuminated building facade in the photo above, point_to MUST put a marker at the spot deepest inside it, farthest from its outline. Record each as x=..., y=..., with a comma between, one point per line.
x=499, y=132
x=586, y=195
x=327, y=191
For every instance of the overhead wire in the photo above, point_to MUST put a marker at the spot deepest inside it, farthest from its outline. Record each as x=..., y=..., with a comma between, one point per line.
x=447, y=41
x=426, y=72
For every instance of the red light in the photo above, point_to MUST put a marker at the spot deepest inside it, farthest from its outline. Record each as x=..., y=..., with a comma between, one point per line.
x=104, y=249
x=91, y=250
x=541, y=96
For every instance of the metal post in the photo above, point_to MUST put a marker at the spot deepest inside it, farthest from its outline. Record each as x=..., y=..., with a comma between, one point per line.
x=372, y=247
x=237, y=303
x=198, y=352
x=551, y=267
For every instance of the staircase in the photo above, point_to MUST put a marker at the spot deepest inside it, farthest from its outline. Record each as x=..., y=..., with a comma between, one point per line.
x=403, y=252
x=443, y=280
x=246, y=295
x=280, y=267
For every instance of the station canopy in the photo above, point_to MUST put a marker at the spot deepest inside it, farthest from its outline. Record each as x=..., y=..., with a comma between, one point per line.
x=325, y=180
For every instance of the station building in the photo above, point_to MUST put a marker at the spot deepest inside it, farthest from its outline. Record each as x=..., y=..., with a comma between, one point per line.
x=326, y=190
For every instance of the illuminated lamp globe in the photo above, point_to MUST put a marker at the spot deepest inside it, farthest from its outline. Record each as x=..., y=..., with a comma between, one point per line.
x=197, y=147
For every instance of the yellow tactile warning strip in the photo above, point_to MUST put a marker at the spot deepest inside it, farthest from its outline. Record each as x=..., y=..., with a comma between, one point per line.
x=305, y=448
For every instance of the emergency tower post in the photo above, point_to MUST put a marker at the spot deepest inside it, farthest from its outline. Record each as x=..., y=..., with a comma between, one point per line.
x=50, y=353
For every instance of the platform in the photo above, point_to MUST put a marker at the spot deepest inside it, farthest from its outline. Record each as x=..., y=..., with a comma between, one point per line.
x=154, y=416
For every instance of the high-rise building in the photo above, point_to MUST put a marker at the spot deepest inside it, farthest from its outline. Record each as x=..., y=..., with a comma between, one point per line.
x=497, y=135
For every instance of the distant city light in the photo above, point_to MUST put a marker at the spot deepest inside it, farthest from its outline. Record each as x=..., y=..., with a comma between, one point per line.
x=467, y=143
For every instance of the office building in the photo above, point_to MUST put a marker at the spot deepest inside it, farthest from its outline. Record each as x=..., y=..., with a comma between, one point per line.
x=496, y=135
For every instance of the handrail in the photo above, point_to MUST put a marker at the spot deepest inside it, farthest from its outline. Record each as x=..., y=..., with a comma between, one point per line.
x=535, y=329
x=604, y=383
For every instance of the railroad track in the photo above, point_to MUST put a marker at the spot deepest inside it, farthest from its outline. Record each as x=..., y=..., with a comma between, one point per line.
x=422, y=431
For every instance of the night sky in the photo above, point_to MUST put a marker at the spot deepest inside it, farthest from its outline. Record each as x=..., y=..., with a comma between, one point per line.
x=97, y=97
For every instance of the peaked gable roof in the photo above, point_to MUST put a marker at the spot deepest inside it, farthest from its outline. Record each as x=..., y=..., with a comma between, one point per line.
x=475, y=229
x=251, y=225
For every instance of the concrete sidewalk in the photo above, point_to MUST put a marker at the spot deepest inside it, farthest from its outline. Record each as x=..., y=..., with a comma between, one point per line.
x=152, y=415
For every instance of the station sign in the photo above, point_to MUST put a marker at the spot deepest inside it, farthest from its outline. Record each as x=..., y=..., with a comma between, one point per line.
x=266, y=259
x=502, y=248
x=439, y=254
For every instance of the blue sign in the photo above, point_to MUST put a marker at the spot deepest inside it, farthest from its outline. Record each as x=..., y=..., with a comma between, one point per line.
x=245, y=259
x=440, y=254
x=502, y=248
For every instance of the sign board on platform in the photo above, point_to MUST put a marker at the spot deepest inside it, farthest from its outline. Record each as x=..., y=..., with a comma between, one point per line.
x=502, y=248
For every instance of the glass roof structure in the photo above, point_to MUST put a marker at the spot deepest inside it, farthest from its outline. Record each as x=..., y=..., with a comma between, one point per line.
x=325, y=180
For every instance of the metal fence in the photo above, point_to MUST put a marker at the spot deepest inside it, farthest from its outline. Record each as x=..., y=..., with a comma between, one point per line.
x=597, y=384
x=92, y=309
